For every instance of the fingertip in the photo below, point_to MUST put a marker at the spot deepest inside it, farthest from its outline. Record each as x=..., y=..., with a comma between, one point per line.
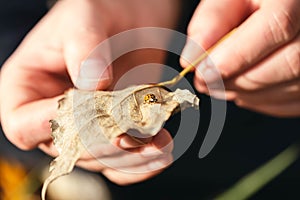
x=163, y=141
x=200, y=87
x=161, y=162
x=206, y=74
x=184, y=62
x=49, y=148
x=192, y=50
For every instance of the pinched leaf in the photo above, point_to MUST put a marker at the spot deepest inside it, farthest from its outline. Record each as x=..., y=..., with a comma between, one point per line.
x=87, y=119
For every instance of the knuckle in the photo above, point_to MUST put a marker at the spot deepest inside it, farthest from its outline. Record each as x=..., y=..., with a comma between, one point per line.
x=15, y=135
x=283, y=26
x=292, y=56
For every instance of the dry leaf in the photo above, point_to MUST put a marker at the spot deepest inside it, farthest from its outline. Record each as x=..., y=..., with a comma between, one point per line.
x=92, y=118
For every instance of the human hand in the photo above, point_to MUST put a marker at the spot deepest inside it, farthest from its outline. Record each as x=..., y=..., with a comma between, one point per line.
x=259, y=62
x=127, y=161
x=47, y=63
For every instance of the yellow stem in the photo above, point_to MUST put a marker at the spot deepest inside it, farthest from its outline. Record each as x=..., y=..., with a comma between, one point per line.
x=177, y=78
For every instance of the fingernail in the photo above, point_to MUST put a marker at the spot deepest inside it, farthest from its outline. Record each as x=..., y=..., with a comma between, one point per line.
x=191, y=52
x=127, y=142
x=207, y=71
x=93, y=71
x=123, y=143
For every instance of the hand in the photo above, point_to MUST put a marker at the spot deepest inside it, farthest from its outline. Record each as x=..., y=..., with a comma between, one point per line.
x=47, y=63
x=131, y=162
x=127, y=161
x=260, y=62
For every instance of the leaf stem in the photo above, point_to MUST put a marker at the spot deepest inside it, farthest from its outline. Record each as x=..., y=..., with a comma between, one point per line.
x=178, y=77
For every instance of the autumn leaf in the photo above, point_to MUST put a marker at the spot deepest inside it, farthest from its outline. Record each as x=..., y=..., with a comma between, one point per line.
x=85, y=119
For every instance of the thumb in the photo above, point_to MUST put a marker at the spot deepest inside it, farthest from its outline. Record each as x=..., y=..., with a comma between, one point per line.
x=87, y=58
x=211, y=20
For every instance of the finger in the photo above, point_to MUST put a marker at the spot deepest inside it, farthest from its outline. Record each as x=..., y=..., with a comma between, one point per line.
x=124, y=144
x=282, y=66
x=122, y=178
x=28, y=101
x=162, y=142
x=281, y=100
x=158, y=163
x=290, y=109
x=147, y=166
x=211, y=21
x=49, y=148
x=126, y=161
x=160, y=145
x=88, y=66
x=27, y=132
x=88, y=70
x=272, y=26
x=216, y=90
x=130, y=142
x=101, y=151
x=278, y=94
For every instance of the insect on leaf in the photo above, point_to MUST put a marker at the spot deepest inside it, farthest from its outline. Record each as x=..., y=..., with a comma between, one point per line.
x=88, y=119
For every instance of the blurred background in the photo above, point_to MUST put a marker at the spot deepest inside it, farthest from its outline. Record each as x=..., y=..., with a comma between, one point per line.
x=248, y=140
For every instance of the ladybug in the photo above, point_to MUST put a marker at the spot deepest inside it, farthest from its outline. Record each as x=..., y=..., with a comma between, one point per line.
x=150, y=98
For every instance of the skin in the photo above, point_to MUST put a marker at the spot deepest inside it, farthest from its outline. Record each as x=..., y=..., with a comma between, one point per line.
x=47, y=63
x=260, y=62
